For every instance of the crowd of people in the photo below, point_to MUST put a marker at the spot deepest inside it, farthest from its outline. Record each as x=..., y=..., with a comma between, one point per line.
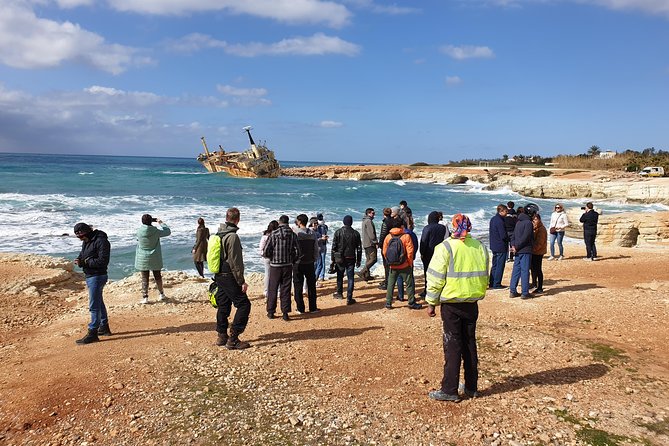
x=457, y=269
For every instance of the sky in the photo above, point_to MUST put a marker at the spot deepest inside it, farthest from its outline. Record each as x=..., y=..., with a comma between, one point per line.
x=370, y=81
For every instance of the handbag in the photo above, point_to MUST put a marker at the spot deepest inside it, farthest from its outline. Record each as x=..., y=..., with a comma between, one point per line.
x=552, y=230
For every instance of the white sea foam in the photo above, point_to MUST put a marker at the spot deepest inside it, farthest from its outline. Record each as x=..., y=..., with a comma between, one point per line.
x=400, y=183
x=173, y=172
x=85, y=173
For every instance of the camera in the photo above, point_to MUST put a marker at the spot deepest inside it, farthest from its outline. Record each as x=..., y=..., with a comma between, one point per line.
x=583, y=208
x=154, y=219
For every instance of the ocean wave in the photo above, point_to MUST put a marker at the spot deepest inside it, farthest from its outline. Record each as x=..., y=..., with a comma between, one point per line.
x=176, y=172
x=86, y=173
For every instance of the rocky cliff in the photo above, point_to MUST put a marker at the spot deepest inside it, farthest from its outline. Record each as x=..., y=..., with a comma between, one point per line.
x=626, y=230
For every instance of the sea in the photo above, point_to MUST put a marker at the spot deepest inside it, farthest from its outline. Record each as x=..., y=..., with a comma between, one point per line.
x=42, y=197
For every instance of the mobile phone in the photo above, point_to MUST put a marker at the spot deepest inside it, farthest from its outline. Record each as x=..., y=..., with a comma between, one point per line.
x=155, y=219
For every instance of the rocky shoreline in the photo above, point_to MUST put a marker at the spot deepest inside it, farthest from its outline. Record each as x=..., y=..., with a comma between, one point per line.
x=561, y=184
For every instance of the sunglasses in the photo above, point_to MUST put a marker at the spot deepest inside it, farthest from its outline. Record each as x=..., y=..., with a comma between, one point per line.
x=558, y=207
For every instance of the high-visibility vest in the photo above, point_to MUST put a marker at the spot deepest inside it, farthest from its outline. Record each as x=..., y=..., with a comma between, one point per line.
x=458, y=272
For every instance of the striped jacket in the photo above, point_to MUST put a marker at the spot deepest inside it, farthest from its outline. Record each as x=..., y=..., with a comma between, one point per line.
x=282, y=248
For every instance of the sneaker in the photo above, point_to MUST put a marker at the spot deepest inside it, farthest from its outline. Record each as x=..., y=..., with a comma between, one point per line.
x=222, y=339
x=285, y=317
x=593, y=259
x=144, y=301
x=337, y=295
x=513, y=294
x=389, y=307
x=587, y=259
x=472, y=393
x=350, y=301
x=270, y=316
x=561, y=257
x=414, y=306
x=162, y=297
x=551, y=258
x=300, y=312
x=442, y=396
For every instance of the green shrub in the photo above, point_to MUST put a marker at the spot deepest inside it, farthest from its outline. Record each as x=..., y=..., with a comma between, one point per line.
x=541, y=173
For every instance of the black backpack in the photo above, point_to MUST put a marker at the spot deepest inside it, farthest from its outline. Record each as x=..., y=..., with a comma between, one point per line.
x=395, y=253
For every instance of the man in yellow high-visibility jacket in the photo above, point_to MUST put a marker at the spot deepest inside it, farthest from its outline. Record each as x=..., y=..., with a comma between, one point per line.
x=457, y=278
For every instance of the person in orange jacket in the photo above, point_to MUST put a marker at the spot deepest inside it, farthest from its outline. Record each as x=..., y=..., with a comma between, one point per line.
x=398, y=250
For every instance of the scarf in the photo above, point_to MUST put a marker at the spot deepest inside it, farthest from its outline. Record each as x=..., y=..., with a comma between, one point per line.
x=461, y=226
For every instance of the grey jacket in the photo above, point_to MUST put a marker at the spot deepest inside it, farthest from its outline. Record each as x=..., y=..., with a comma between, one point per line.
x=368, y=232
x=232, y=261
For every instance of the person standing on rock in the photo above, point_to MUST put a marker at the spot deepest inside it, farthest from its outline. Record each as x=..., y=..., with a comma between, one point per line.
x=200, y=248
x=589, y=219
x=346, y=254
x=499, y=245
x=283, y=251
x=557, y=226
x=457, y=279
x=149, y=256
x=231, y=284
x=369, y=244
x=94, y=259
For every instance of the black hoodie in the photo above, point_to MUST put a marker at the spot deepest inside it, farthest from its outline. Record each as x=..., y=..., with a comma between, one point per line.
x=433, y=234
x=94, y=255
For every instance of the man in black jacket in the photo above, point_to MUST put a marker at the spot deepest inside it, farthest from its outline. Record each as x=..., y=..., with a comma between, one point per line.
x=283, y=252
x=589, y=219
x=346, y=253
x=523, y=238
x=433, y=234
x=305, y=268
x=94, y=258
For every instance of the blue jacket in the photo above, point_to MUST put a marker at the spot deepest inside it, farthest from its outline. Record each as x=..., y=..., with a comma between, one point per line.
x=523, y=235
x=499, y=239
x=433, y=234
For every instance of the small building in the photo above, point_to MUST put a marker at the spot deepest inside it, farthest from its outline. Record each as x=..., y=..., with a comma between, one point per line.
x=607, y=154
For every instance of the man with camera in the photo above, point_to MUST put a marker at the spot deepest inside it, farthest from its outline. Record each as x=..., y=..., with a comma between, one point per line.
x=589, y=219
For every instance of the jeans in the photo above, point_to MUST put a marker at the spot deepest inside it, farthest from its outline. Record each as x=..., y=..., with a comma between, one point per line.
x=557, y=236
x=230, y=293
x=349, y=269
x=521, y=272
x=96, y=304
x=320, y=265
x=497, y=269
x=407, y=276
x=459, y=346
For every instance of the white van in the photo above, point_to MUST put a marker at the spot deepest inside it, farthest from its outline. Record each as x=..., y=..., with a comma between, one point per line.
x=652, y=172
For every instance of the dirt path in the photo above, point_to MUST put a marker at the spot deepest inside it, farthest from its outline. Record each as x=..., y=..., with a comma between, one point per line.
x=584, y=364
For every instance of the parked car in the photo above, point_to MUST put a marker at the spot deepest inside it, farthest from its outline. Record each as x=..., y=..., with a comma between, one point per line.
x=652, y=172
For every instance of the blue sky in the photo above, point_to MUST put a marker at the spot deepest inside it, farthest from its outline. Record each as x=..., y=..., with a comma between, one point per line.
x=345, y=80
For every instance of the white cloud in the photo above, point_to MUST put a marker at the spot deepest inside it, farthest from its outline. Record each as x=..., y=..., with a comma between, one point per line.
x=29, y=42
x=73, y=3
x=289, y=11
x=331, y=124
x=317, y=45
x=453, y=80
x=245, y=96
x=370, y=5
x=656, y=7
x=467, y=52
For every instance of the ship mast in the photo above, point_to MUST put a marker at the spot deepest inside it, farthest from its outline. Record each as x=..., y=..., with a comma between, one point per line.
x=212, y=165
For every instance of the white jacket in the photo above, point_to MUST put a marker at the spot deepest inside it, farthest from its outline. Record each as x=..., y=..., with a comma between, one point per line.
x=559, y=221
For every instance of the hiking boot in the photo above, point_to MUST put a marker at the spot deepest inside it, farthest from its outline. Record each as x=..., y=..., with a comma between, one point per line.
x=337, y=295
x=285, y=317
x=103, y=330
x=414, y=306
x=235, y=344
x=91, y=336
x=526, y=296
x=222, y=339
x=442, y=396
x=144, y=301
x=350, y=301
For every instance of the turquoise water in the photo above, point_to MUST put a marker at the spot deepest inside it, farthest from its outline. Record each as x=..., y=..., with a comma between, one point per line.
x=41, y=200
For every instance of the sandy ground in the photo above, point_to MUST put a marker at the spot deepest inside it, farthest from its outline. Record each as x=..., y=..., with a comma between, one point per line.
x=586, y=363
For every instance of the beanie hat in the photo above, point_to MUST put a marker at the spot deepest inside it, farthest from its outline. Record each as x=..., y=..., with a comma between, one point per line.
x=319, y=216
x=82, y=228
x=348, y=220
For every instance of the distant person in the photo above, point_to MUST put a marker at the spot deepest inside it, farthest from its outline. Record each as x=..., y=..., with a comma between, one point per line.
x=510, y=224
x=370, y=244
x=346, y=254
x=432, y=235
x=456, y=280
x=589, y=219
x=382, y=236
x=261, y=250
x=557, y=227
x=414, y=242
x=200, y=248
x=322, y=236
x=149, y=256
x=523, y=240
x=499, y=245
x=398, y=248
x=94, y=259
x=538, y=250
x=304, y=269
x=232, y=286
x=404, y=213
x=283, y=251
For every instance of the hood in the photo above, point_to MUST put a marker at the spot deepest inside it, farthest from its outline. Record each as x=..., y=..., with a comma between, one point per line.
x=523, y=217
x=98, y=234
x=227, y=228
x=397, y=231
x=433, y=217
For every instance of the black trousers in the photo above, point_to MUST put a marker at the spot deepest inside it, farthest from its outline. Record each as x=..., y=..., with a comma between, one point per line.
x=536, y=270
x=459, y=345
x=590, y=248
x=426, y=263
x=302, y=272
x=279, y=280
x=370, y=260
x=229, y=294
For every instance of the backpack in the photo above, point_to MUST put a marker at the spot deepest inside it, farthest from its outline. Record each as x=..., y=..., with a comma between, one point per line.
x=395, y=252
x=213, y=289
x=214, y=249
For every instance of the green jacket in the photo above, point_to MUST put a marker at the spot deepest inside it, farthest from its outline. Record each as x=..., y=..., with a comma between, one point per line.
x=149, y=256
x=458, y=272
